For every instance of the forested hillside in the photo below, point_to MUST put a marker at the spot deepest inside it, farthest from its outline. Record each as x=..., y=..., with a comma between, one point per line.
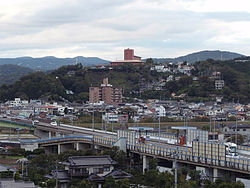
x=51, y=62
x=11, y=73
x=73, y=82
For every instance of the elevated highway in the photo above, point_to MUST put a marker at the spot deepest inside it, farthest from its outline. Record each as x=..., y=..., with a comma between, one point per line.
x=211, y=157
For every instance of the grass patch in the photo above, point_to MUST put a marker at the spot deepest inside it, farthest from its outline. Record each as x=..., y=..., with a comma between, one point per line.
x=11, y=157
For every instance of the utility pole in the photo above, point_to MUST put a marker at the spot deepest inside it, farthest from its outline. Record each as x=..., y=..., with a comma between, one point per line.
x=93, y=120
x=112, y=132
x=214, y=132
x=236, y=136
x=186, y=132
x=56, y=175
x=26, y=168
x=175, y=171
x=210, y=128
x=22, y=167
x=159, y=127
x=102, y=122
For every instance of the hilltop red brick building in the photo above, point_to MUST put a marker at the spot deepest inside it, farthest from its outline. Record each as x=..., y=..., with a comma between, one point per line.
x=129, y=57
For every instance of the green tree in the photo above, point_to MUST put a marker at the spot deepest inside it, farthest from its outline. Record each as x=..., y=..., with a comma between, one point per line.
x=109, y=182
x=51, y=183
x=240, y=139
x=124, y=183
x=153, y=163
x=84, y=184
x=149, y=61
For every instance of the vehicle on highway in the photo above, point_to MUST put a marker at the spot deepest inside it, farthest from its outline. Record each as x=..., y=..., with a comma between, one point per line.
x=35, y=122
x=53, y=123
x=231, y=149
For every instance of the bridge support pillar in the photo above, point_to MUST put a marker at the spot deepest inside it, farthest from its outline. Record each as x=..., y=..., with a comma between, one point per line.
x=81, y=146
x=59, y=149
x=217, y=173
x=49, y=134
x=77, y=146
x=144, y=163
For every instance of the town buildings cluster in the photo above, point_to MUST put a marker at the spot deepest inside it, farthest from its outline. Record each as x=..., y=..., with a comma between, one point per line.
x=124, y=112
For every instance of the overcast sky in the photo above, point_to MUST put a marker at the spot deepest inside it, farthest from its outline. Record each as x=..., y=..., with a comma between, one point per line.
x=103, y=28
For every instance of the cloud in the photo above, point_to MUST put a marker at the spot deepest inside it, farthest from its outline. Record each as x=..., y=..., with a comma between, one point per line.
x=100, y=28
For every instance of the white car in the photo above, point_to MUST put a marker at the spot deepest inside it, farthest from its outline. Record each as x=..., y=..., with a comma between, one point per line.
x=35, y=121
x=53, y=123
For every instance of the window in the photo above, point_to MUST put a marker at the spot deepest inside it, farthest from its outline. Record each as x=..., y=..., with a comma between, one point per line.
x=106, y=169
x=98, y=170
x=244, y=129
x=76, y=171
x=84, y=170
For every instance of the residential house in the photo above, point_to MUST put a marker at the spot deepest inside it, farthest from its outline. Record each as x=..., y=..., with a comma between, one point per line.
x=93, y=168
x=243, y=129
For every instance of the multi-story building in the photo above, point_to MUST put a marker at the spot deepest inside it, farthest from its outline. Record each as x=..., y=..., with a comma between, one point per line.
x=219, y=84
x=106, y=92
x=129, y=57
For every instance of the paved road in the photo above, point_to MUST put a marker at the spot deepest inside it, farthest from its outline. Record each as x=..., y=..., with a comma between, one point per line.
x=82, y=130
x=155, y=142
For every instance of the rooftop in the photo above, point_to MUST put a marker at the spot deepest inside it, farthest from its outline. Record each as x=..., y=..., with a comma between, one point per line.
x=89, y=161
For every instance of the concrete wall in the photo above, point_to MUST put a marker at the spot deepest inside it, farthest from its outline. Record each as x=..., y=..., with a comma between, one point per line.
x=29, y=146
x=81, y=146
x=41, y=133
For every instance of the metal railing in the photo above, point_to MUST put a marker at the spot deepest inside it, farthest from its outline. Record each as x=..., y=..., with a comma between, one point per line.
x=246, y=148
x=181, y=154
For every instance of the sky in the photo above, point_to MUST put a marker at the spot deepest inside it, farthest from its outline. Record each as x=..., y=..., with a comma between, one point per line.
x=103, y=28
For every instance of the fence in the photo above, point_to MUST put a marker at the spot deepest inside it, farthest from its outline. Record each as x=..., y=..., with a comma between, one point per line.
x=186, y=155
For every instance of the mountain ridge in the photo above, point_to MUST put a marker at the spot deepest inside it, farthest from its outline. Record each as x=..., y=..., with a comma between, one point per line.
x=201, y=56
x=51, y=62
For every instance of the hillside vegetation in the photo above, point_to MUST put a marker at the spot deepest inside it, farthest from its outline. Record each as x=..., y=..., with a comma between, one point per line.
x=73, y=82
x=11, y=73
x=50, y=62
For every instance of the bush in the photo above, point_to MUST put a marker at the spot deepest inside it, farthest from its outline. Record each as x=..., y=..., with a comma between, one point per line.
x=51, y=183
x=17, y=176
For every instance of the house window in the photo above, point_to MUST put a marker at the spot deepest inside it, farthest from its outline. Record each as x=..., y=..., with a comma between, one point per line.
x=84, y=170
x=76, y=171
x=98, y=170
x=106, y=169
x=244, y=129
